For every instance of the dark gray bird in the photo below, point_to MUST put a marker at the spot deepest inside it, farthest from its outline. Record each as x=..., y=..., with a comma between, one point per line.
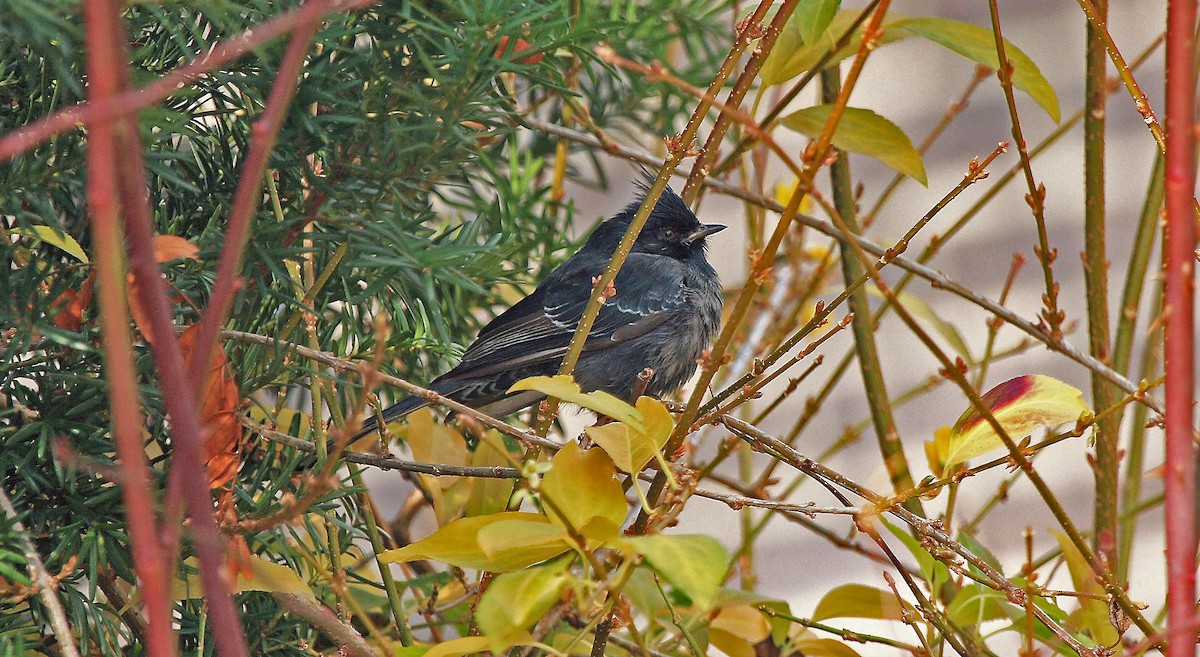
x=666, y=312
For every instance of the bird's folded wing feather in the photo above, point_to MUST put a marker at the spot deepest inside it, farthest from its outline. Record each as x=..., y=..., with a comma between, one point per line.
x=537, y=329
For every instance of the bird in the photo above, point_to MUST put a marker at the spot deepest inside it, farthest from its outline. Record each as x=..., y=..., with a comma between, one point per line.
x=664, y=315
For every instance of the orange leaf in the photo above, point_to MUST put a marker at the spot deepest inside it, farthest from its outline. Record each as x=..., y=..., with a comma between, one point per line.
x=166, y=249
x=173, y=247
x=219, y=400
x=70, y=305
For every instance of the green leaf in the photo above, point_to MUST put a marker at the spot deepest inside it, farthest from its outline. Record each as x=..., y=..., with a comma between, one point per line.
x=860, y=601
x=812, y=18
x=933, y=571
x=53, y=237
x=865, y=132
x=629, y=446
x=975, y=604
x=564, y=387
x=692, y=563
x=1020, y=405
x=515, y=601
x=978, y=44
x=582, y=486
x=518, y=540
x=1093, y=615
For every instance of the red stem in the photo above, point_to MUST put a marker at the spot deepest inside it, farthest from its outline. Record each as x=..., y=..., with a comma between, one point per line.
x=104, y=81
x=178, y=395
x=122, y=103
x=1179, y=349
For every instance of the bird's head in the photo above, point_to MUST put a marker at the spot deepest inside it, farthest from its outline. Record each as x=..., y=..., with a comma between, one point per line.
x=672, y=229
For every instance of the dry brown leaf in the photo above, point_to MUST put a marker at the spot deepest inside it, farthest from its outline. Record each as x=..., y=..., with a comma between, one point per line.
x=219, y=401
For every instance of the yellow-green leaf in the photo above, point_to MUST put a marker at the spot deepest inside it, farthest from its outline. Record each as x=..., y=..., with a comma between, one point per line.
x=978, y=44
x=54, y=237
x=865, y=132
x=1020, y=405
x=264, y=576
x=629, y=446
x=514, y=601
x=1093, y=613
x=792, y=55
x=432, y=442
x=692, y=563
x=518, y=534
x=860, y=601
x=582, y=486
x=975, y=604
x=489, y=495
x=814, y=647
x=458, y=543
x=565, y=388
x=467, y=645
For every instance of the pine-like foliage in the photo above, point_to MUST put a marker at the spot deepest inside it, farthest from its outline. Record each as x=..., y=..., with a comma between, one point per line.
x=402, y=183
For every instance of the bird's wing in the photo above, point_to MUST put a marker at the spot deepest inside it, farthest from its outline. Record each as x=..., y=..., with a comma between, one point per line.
x=538, y=329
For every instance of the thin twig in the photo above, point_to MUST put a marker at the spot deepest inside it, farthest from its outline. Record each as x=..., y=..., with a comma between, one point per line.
x=42, y=578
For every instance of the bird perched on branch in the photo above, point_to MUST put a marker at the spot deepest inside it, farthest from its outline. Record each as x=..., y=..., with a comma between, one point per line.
x=664, y=314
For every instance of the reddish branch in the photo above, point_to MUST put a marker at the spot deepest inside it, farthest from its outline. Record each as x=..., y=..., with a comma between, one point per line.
x=106, y=34
x=105, y=61
x=1179, y=247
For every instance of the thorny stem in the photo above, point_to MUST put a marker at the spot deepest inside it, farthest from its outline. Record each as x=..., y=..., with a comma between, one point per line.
x=1036, y=197
x=815, y=157
x=936, y=279
x=708, y=154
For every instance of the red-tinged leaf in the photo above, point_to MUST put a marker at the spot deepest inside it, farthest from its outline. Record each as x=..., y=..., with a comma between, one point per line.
x=219, y=401
x=1020, y=405
x=520, y=44
x=166, y=249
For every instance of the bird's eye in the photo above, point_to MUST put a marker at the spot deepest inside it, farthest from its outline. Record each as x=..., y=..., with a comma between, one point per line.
x=669, y=234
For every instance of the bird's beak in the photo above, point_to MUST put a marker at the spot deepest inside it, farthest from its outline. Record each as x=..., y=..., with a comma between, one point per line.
x=704, y=231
